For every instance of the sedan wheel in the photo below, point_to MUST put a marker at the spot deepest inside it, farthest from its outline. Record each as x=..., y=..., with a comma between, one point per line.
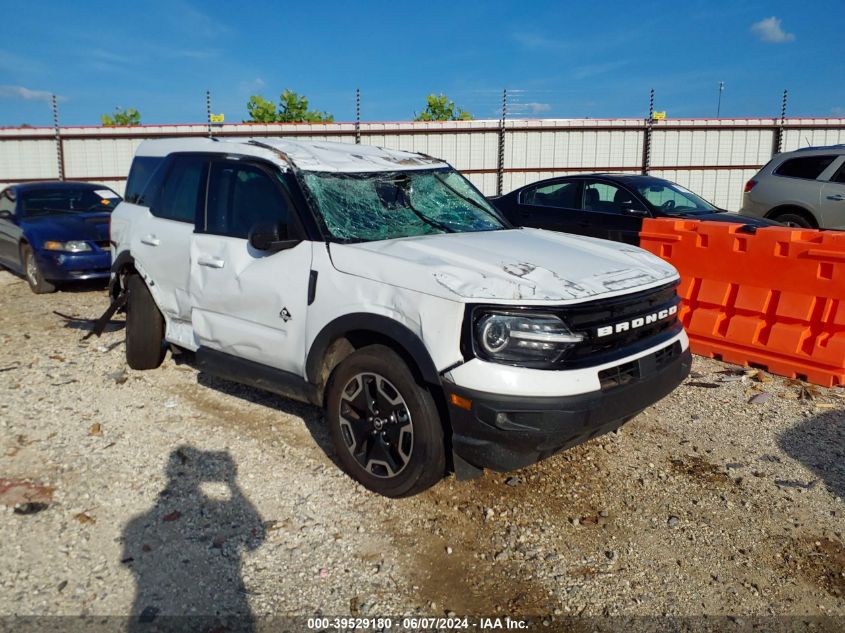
x=36, y=281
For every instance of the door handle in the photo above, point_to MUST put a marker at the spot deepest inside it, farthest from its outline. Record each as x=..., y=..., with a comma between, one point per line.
x=150, y=240
x=838, y=196
x=211, y=262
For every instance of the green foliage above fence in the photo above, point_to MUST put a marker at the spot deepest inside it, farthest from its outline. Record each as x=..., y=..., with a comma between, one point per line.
x=127, y=116
x=440, y=108
x=292, y=108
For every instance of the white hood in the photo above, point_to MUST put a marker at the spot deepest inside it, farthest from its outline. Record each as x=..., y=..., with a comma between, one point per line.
x=513, y=266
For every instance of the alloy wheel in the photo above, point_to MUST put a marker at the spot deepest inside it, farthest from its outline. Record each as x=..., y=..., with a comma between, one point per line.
x=376, y=425
x=31, y=269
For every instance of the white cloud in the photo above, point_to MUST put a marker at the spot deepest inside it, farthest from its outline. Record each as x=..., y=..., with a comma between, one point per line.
x=769, y=30
x=20, y=92
x=537, y=108
x=591, y=70
x=254, y=84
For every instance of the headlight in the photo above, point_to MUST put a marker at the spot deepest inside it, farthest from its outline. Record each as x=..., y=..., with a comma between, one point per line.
x=67, y=247
x=531, y=339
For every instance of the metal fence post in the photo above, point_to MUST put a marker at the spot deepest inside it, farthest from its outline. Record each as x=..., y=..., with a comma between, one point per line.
x=208, y=110
x=60, y=150
x=780, y=130
x=647, y=135
x=357, y=116
x=500, y=169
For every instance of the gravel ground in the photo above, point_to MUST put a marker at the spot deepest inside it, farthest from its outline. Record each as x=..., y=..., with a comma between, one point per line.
x=171, y=491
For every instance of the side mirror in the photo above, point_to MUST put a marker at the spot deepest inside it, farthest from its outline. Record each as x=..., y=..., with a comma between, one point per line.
x=270, y=237
x=634, y=211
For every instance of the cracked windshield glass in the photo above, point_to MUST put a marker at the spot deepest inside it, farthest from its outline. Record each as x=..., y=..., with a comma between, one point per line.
x=382, y=206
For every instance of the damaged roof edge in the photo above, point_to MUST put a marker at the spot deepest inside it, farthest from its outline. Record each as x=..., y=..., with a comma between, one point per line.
x=325, y=156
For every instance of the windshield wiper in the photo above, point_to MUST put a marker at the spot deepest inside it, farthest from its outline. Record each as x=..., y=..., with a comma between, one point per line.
x=467, y=199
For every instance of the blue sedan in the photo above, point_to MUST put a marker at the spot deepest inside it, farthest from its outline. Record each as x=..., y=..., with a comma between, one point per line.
x=56, y=231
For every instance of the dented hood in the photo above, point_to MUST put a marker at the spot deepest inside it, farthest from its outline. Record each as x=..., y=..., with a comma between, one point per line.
x=512, y=266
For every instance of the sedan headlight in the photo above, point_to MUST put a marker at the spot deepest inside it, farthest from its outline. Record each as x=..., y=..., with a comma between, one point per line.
x=75, y=246
x=515, y=338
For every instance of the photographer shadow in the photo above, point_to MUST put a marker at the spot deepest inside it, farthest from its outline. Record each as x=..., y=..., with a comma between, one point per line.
x=819, y=444
x=185, y=552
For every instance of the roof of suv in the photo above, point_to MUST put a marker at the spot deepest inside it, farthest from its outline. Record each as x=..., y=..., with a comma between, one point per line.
x=305, y=155
x=824, y=149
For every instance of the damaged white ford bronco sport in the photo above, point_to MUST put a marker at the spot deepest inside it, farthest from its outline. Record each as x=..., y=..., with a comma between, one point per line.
x=382, y=286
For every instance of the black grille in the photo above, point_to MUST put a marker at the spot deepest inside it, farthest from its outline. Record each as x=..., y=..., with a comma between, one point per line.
x=586, y=318
x=626, y=373
x=662, y=357
x=619, y=375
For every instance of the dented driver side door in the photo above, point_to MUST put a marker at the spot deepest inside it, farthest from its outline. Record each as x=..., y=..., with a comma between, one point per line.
x=248, y=303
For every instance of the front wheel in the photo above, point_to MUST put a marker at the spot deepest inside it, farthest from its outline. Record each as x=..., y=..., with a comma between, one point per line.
x=144, y=327
x=34, y=278
x=385, y=427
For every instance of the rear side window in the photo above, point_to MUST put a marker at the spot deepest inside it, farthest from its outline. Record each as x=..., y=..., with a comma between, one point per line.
x=807, y=167
x=139, y=175
x=560, y=195
x=180, y=194
x=241, y=196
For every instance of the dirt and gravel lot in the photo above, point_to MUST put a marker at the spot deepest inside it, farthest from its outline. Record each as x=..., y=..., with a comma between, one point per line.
x=172, y=491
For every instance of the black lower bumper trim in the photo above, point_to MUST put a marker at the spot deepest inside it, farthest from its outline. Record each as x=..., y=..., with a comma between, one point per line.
x=510, y=432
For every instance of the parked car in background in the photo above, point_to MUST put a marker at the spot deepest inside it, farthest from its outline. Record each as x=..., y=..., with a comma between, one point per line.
x=608, y=206
x=382, y=286
x=56, y=231
x=802, y=188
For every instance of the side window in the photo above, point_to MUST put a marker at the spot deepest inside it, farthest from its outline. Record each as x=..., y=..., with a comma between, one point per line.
x=560, y=195
x=181, y=191
x=241, y=195
x=142, y=169
x=606, y=198
x=839, y=176
x=807, y=167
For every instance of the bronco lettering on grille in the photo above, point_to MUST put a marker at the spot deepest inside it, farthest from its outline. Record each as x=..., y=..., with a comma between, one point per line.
x=633, y=324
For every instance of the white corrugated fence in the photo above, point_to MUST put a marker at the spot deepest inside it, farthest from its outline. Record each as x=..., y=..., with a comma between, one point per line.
x=713, y=157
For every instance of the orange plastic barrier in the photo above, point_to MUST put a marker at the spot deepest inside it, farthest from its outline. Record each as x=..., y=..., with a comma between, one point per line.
x=773, y=299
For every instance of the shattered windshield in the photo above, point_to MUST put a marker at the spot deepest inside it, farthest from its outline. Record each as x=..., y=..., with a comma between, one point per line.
x=383, y=206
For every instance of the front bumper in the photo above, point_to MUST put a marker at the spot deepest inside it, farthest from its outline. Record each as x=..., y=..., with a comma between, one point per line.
x=510, y=432
x=58, y=266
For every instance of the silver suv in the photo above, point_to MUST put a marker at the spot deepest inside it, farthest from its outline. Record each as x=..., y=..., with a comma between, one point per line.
x=802, y=188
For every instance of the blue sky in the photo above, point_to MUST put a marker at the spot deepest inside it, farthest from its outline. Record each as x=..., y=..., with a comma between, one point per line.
x=559, y=59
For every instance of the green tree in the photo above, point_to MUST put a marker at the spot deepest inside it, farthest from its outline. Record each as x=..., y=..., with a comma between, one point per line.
x=128, y=116
x=292, y=108
x=440, y=108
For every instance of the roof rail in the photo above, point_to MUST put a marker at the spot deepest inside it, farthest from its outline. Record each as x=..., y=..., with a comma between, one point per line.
x=820, y=147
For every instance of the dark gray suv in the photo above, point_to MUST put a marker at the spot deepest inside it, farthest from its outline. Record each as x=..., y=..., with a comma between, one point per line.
x=804, y=188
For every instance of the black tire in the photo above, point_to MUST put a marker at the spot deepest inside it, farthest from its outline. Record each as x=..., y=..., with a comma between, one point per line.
x=144, y=327
x=791, y=218
x=421, y=459
x=34, y=278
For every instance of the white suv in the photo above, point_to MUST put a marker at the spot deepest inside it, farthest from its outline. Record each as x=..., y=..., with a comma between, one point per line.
x=382, y=286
